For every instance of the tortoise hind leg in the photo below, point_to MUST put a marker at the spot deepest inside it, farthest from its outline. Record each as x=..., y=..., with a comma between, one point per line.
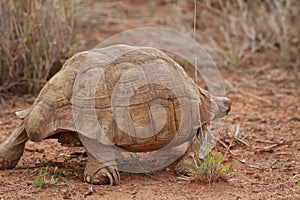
x=12, y=148
x=99, y=173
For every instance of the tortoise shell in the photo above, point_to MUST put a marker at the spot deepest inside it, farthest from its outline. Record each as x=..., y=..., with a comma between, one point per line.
x=136, y=98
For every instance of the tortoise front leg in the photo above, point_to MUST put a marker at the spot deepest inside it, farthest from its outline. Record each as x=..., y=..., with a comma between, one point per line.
x=100, y=173
x=12, y=148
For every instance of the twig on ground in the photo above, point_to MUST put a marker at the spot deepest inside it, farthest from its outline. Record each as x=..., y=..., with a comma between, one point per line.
x=257, y=167
x=245, y=136
x=236, y=137
x=253, y=166
x=227, y=147
x=286, y=168
x=280, y=142
x=276, y=144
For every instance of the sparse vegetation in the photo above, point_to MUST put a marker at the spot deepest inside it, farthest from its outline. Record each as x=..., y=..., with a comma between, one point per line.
x=34, y=37
x=255, y=69
x=41, y=180
x=235, y=30
x=210, y=168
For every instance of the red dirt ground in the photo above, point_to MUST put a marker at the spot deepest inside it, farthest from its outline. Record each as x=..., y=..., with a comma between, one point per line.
x=266, y=107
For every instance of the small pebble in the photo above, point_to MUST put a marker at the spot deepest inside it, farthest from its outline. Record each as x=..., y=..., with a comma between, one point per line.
x=88, y=179
x=256, y=175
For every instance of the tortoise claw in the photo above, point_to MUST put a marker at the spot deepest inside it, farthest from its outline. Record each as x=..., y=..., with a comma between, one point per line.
x=98, y=173
x=116, y=176
x=104, y=172
x=106, y=175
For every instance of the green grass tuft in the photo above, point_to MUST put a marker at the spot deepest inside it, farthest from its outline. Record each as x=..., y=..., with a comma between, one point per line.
x=210, y=168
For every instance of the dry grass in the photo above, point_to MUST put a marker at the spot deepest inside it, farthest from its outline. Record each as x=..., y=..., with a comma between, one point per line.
x=34, y=37
x=235, y=30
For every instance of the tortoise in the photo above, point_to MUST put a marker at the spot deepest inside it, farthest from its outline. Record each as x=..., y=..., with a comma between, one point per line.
x=91, y=78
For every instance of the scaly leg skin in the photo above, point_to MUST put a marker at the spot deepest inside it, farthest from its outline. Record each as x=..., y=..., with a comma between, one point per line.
x=12, y=148
x=99, y=173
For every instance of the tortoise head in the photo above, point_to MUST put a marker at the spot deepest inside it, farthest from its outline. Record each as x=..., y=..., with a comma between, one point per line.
x=222, y=104
x=213, y=107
